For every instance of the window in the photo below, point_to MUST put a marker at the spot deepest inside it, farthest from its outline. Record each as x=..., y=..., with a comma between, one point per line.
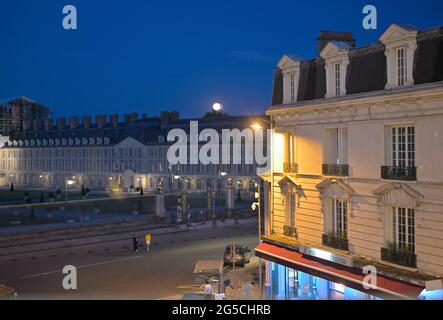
x=338, y=140
x=401, y=66
x=340, y=218
x=292, y=209
x=404, y=228
x=403, y=146
x=292, y=88
x=337, y=79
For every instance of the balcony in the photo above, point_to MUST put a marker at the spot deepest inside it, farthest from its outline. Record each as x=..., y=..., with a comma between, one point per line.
x=399, y=173
x=290, y=232
x=397, y=256
x=290, y=167
x=336, y=170
x=336, y=242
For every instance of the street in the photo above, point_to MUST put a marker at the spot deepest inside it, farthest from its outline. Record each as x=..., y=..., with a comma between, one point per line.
x=107, y=268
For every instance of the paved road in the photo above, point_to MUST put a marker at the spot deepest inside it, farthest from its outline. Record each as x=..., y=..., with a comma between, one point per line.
x=107, y=268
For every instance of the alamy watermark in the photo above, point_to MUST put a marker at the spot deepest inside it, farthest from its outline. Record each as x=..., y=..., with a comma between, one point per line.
x=232, y=146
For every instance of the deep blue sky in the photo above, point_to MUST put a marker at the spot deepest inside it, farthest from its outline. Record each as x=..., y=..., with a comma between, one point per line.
x=147, y=56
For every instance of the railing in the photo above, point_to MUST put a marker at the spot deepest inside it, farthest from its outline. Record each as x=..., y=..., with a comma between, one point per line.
x=335, y=242
x=290, y=167
x=290, y=231
x=401, y=257
x=399, y=173
x=337, y=170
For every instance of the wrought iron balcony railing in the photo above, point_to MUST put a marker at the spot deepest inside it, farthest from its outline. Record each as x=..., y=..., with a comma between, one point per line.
x=290, y=231
x=335, y=242
x=401, y=257
x=290, y=167
x=336, y=170
x=399, y=173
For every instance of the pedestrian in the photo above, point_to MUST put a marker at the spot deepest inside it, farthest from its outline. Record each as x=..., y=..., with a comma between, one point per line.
x=207, y=290
x=135, y=243
x=148, y=241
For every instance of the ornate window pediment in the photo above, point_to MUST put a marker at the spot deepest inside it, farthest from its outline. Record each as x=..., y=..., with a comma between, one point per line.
x=288, y=184
x=398, y=195
x=336, y=55
x=335, y=189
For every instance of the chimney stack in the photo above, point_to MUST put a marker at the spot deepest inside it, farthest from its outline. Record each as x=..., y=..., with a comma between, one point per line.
x=113, y=119
x=164, y=118
x=73, y=122
x=100, y=120
x=134, y=116
x=127, y=118
x=86, y=122
x=174, y=116
x=327, y=36
x=61, y=123
x=48, y=124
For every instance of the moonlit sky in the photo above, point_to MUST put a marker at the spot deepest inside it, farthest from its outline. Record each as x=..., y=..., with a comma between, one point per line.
x=147, y=56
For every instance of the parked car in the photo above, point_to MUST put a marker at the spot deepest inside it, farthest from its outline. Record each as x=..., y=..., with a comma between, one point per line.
x=241, y=257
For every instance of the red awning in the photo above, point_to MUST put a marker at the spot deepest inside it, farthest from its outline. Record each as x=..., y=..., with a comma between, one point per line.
x=352, y=276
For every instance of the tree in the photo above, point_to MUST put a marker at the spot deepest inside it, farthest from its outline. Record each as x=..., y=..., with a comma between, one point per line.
x=141, y=191
x=12, y=187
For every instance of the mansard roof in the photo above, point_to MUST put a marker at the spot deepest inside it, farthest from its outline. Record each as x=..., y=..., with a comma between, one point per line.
x=367, y=67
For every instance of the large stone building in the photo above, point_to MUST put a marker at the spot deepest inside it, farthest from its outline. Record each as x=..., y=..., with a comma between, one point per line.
x=357, y=176
x=109, y=154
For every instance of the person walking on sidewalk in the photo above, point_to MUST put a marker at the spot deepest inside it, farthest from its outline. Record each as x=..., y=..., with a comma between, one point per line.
x=148, y=241
x=135, y=243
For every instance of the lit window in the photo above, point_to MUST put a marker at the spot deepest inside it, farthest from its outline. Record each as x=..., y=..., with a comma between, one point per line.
x=340, y=218
x=404, y=228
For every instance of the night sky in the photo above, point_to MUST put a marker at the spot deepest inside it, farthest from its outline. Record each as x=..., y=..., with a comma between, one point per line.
x=147, y=56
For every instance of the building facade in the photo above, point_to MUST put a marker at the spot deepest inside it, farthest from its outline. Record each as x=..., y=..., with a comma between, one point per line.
x=356, y=179
x=111, y=155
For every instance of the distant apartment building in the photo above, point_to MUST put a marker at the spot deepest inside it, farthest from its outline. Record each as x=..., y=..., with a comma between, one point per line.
x=22, y=114
x=111, y=154
x=357, y=177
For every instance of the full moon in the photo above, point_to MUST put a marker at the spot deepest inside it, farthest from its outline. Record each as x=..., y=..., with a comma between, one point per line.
x=217, y=106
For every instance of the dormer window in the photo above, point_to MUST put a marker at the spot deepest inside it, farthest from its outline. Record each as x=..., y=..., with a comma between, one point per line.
x=290, y=67
x=400, y=42
x=336, y=56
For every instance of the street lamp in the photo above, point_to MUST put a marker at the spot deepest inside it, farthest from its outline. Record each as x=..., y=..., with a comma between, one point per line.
x=258, y=126
x=70, y=183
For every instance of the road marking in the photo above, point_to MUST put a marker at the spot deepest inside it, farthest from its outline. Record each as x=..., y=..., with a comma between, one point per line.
x=80, y=267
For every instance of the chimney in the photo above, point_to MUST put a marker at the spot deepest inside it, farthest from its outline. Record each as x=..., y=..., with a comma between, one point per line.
x=164, y=118
x=127, y=118
x=134, y=116
x=61, y=123
x=73, y=122
x=327, y=36
x=174, y=116
x=113, y=119
x=86, y=122
x=48, y=124
x=100, y=120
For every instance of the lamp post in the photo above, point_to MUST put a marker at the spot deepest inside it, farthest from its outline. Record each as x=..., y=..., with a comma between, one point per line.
x=258, y=126
x=68, y=182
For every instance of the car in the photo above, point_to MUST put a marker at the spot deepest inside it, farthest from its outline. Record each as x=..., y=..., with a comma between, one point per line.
x=241, y=257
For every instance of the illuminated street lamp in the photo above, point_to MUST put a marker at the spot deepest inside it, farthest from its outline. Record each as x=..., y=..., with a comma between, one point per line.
x=70, y=183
